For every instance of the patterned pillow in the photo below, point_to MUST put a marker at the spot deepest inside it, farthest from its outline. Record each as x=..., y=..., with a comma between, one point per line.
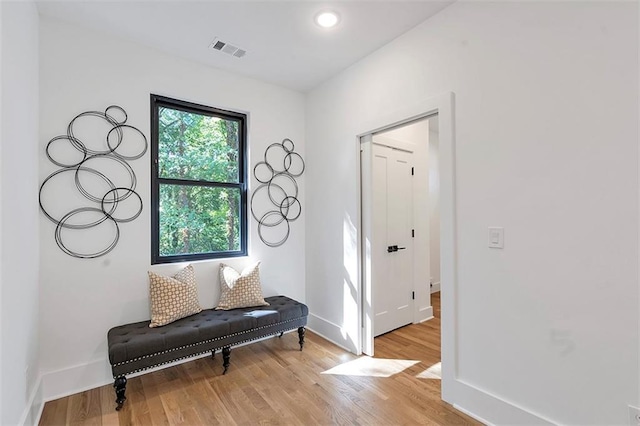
x=174, y=297
x=240, y=290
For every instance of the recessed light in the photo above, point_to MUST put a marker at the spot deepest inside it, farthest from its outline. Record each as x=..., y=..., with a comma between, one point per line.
x=327, y=19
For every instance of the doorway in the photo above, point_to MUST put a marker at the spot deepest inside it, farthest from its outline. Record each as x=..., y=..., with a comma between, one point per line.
x=400, y=217
x=444, y=106
x=418, y=337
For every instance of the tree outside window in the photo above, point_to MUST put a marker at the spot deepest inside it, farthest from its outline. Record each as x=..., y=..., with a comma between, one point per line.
x=198, y=182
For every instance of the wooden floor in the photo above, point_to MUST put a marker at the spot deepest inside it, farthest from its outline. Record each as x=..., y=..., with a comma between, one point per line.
x=272, y=382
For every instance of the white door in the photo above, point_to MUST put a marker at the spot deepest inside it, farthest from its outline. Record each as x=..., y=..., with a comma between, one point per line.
x=392, y=256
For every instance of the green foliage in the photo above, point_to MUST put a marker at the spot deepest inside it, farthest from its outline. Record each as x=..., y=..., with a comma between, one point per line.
x=198, y=219
x=197, y=147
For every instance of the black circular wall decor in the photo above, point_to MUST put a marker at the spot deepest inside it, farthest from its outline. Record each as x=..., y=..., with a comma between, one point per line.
x=279, y=170
x=103, y=204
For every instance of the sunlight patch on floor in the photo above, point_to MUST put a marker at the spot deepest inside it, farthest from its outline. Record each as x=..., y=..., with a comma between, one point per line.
x=433, y=372
x=371, y=367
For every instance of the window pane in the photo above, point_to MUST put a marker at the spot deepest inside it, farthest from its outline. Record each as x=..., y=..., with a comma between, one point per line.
x=199, y=219
x=197, y=147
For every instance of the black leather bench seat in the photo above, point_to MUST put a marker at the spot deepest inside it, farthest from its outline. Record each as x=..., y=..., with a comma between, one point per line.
x=136, y=347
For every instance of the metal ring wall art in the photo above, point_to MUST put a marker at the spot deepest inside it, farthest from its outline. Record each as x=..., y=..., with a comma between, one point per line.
x=277, y=176
x=102, y=206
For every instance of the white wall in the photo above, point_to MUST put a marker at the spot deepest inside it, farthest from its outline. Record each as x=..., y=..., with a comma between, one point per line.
x=85, y=70
x=19, y=218
x=546, y=100
x=434, y=208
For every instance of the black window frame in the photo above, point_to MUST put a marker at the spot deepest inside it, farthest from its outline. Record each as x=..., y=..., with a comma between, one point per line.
x=158, y=101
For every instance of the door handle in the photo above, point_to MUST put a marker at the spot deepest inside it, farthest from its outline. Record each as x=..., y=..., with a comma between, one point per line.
x=392, y=249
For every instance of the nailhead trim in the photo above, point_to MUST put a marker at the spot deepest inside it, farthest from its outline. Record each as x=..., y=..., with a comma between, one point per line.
x=196, y=344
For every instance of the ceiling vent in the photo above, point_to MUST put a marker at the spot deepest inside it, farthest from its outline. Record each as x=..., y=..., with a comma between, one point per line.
x=227, y=48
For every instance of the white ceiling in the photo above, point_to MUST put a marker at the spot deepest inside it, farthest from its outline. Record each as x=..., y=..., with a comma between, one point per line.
x=283, y=44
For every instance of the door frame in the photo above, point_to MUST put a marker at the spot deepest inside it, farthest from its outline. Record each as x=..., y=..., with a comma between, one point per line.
x=443, y=105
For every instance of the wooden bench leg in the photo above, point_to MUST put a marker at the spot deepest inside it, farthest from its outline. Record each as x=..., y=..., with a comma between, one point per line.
x=226, y=356
x=301, y=332
x=120, y=385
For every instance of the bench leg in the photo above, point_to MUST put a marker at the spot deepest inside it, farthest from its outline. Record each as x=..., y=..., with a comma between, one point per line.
x=281, y=333
x=213, y=354
x=226, y=356
x=301, y=332
x=120, y=385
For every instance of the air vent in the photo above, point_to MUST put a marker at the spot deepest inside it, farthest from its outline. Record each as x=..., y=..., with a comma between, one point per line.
x=218, y=45
x=227, y=48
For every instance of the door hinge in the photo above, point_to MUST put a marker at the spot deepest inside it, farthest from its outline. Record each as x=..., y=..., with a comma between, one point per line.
x=413, y=233
x=413, y=295
x=412, y=171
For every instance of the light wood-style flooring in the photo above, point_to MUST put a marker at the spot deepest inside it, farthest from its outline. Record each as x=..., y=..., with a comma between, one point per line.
x=272, y=383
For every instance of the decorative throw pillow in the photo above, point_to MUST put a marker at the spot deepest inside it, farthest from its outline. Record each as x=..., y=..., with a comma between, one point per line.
x=174, y=297
x=240, y=290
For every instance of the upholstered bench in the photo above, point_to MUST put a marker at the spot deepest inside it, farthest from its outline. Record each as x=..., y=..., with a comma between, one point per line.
x=136, y=347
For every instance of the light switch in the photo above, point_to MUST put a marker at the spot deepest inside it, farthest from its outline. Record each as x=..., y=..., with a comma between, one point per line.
x=496, y=237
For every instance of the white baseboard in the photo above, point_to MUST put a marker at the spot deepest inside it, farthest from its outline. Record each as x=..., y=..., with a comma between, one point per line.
x=329, y=331
x=435, y=287
x=427, y=319
x=78, y=378
x=492, y=409
x=424, y=314
x=35, y=404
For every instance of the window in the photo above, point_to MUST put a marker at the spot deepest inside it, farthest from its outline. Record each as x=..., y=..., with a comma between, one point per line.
x=198, y=182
